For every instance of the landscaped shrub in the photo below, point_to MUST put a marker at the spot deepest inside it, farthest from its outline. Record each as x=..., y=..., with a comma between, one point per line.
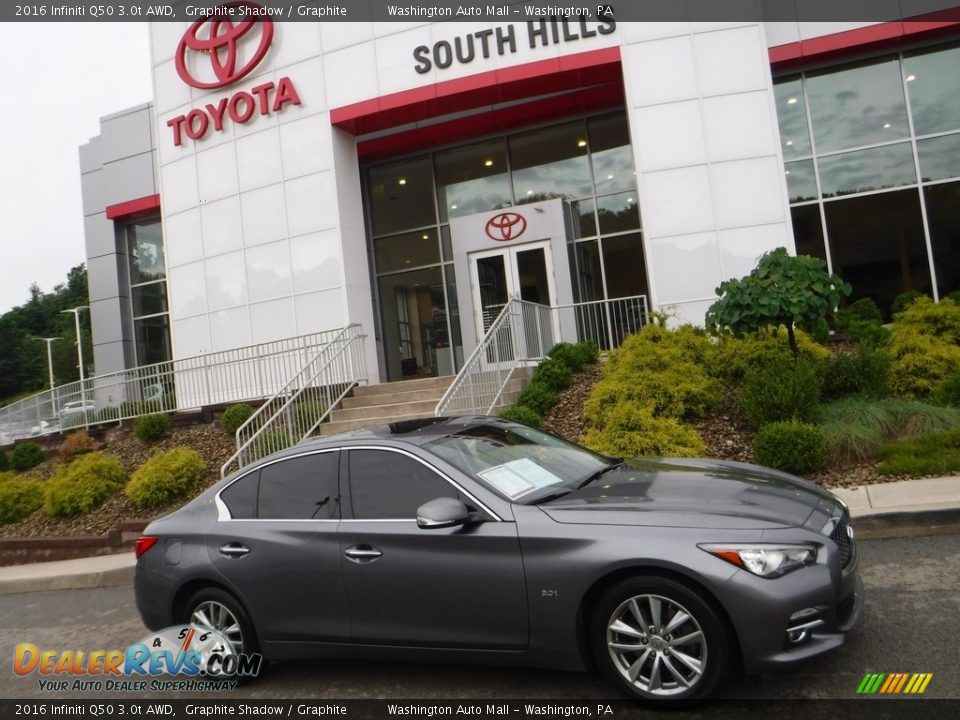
x=948, y=391
x=272, y=441
x=869, y=333
x=553, y=373
x=661, y=369
x=925, y=345
x=307, y=412
x=904, y=300
x=76, y=443
x=235, y=416
x=933, y=454
x=521, y=414
x=83, y=484
x=863, y=310
x=4, y=460
x=632, y=430
x=150, y=428
x=575, y=355
x=735, y=356
x=25, y=456
x=953, y=297
x=538, y=397
x=790, y=446
x=780, y=392
x=19, y=497
x=865, y=372
x=167, y=476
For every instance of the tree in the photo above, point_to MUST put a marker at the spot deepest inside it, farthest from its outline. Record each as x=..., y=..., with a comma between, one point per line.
x=783, y=290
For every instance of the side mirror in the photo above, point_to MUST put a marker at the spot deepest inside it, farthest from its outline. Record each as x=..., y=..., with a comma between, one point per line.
x=442, y=513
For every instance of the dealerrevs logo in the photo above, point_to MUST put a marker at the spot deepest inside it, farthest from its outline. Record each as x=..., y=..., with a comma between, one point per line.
x=218, y=50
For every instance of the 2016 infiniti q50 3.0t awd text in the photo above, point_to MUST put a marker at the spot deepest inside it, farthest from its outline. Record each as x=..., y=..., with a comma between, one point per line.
x=482, y=539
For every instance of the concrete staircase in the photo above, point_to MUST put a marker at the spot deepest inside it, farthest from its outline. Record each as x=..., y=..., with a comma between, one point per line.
x=372, y=405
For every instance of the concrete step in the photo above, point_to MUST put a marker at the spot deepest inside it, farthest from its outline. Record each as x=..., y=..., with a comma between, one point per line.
x=422, y=384
x=393, y=398
x=332, y=428
x=420, y=407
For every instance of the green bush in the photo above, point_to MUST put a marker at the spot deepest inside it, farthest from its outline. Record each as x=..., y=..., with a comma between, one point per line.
x=25, y=456
x=734, y=356
x=925, y=345
x=553, y=373
x=521, y=414
x=83, y=484
x=4, y=460
x=632, y=430
x=150, y=428
x=869, y=333
x=947, y=392
x=538, y=397
x=235, y=416
x=953, y=297
x=790, y=446
x=904, y=300
x=575, y=355
x=272, y=441
x=933, y=454
x=167, y=476
x=865, y=372
x=19, y=497
x=780, y=392
x=863, y=310
x=307, y=412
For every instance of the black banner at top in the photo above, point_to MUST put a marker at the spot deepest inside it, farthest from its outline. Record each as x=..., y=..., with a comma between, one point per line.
x=502, y=11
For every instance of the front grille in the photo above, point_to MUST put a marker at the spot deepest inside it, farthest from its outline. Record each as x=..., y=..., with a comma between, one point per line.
x=841, y=537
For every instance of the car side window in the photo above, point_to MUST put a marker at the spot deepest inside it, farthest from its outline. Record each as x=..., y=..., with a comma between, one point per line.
x=300, y=488
x=389, y=485
x=240, y=497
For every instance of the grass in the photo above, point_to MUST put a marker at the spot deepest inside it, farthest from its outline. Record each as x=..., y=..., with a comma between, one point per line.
x=855, y=429
x=931, y=454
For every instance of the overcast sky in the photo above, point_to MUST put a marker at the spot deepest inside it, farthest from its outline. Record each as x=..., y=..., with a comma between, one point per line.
x=58, y=80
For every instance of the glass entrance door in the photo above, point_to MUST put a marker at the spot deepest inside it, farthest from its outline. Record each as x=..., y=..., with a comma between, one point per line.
x=524, y=271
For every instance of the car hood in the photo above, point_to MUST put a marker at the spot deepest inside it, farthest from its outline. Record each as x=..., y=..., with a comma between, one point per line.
x=691, y=493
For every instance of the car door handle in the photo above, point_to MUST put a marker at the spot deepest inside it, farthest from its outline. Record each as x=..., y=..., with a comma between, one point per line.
x=234, y=550
x=362, y=553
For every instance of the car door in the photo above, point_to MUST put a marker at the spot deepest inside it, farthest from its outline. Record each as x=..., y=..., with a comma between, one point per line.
x=280, y=548
x=453, y=587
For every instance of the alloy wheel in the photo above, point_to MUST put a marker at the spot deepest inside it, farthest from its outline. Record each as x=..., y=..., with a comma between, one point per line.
x=217, y=616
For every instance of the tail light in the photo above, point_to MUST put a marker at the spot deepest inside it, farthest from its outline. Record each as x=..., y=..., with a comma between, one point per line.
x=144, y=543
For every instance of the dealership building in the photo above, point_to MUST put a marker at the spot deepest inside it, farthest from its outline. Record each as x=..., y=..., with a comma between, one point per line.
x=411, y=176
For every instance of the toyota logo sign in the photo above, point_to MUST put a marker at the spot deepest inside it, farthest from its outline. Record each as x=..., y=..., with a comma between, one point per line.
x=505, y=226
x=219, y=45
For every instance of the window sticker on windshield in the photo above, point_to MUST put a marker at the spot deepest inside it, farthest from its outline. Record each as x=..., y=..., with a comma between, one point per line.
x=519, y=477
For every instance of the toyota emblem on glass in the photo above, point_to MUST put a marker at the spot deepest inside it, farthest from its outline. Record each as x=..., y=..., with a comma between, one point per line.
x=506, y=226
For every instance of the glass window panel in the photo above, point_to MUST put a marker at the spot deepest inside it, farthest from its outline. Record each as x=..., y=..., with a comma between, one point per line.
x=943, y=219
x=933, y=83
x=388, y=485
x=446, y=243
x=414, y=314
x=550, y=163
x=792, y=117
x=801, y=181
x=624, y=266
x=149, y=299
x=939, y=157
x=472, y=179
x=146, y=252
x=877, y=245
x=302, y=488
x=864, y=170
x=453, y=306
x=808, y=231
x=858, y=106
x=241, y=497
x=152, y=337
x=611, y=154
x=589, y=276
x=401, y=195
x=583, y=218
x=618, y=213
x=399, y=252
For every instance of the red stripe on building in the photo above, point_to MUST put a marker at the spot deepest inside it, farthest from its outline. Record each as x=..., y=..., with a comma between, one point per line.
x=133, y=207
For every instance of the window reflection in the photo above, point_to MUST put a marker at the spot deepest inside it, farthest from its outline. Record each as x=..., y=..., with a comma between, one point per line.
x=624, y=265
x=550, y=163
x=864, y=170
x=146, y=252
x=943, y=219
x=584, y=219
x=618, y=213
x=939, y=157
x=611, y=154
x=808, y=231
x=472, y=179
x=400, y=252
x=152, y=337
x=933, y=83
x=801, y=181
x=401, y=195
x=792, y=115
x=857, y=106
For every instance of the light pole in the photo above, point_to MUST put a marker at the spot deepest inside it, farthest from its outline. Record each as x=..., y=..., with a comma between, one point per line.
x=76, y=320
x=49, y=342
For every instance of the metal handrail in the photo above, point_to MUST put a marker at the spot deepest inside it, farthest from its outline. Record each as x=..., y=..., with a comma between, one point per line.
x=297, y=409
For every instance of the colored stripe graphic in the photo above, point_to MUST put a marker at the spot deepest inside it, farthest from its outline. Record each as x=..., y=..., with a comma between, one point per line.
x=894, y=683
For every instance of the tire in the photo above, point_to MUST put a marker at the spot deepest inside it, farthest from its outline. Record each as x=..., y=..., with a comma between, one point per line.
x=219, y=610
x=660, y=670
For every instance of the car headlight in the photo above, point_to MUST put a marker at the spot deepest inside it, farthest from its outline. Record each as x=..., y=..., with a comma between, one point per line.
x=767, y=561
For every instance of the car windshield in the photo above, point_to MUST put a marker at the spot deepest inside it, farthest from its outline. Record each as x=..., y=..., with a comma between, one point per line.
x=517, y=462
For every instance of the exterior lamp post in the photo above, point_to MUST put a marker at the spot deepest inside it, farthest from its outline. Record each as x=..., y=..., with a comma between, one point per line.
x=49, y=341
x=76, y=320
